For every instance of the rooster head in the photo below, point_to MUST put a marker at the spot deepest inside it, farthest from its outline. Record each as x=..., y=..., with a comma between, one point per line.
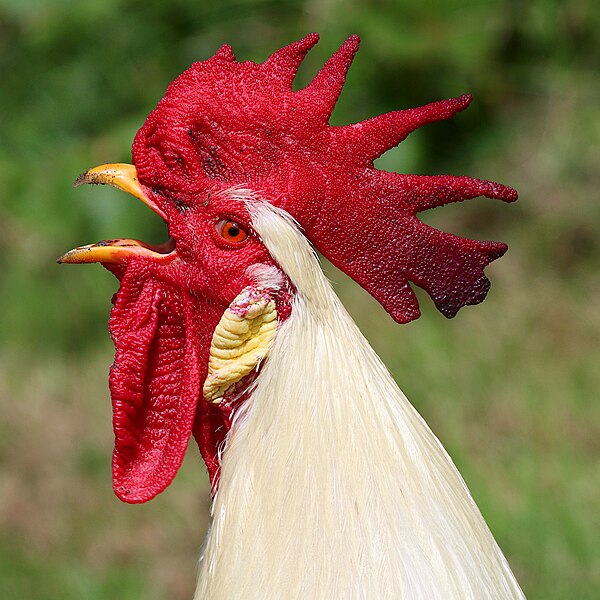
x=225, y=126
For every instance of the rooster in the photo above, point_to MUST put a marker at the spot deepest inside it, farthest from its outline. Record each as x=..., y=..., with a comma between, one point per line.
x=326, y=481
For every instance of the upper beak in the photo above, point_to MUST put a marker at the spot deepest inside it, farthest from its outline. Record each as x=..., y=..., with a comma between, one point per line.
x=124, y=177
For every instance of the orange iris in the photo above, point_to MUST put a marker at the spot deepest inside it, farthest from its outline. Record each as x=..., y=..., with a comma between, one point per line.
x=231, y=231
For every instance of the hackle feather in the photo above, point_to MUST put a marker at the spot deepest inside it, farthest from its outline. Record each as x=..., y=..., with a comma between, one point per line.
x=332, y=485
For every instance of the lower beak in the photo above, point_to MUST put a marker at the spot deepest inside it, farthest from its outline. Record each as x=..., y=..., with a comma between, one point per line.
x=123, y=177
x=117, y=251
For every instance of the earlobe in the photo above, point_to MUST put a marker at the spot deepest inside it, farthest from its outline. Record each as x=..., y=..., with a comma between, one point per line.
x=241, y=340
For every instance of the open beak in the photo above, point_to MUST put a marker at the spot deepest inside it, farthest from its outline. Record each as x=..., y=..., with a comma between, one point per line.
x=123, y=177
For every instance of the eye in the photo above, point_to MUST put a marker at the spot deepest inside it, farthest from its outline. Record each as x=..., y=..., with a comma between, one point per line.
x=231, y=231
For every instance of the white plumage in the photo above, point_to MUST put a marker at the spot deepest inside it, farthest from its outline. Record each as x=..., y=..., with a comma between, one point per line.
x=332, y=485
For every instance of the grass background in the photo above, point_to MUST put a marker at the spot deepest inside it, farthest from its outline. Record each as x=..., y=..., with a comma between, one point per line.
x=510, y=386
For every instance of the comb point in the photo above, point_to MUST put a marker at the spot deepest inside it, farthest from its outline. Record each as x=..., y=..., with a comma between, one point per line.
x=286, y=61
x=328, y=82
x=225, y=52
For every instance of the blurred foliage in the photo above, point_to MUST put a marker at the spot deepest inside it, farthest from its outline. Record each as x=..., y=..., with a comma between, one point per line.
x=509, y=386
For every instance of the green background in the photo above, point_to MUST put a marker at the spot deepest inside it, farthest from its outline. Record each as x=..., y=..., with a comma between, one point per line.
x=510, y=386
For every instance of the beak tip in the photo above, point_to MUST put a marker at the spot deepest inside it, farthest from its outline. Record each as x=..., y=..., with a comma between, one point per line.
x=82, y=179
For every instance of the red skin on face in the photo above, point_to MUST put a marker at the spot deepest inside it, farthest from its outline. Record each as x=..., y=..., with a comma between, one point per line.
x=162, y=323
x=221, y=124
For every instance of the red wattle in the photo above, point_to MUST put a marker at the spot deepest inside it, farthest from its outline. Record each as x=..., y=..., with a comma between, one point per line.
x=154, y=382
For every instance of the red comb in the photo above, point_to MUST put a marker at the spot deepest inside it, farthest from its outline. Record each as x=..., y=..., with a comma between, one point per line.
x=223, y=123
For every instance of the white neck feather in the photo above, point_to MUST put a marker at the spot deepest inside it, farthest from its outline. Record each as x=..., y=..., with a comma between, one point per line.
x=332, y=485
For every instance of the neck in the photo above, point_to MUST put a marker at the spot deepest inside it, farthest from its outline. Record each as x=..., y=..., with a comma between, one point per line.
x=332, y=486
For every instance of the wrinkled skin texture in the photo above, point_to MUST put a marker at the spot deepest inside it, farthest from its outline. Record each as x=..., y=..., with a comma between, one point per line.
x=223, y=124
x=162, y=324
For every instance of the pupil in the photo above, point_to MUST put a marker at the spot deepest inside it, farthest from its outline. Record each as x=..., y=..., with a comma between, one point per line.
x=233, y=231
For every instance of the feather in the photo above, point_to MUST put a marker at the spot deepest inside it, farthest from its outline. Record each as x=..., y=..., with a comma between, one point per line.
x=332, y=485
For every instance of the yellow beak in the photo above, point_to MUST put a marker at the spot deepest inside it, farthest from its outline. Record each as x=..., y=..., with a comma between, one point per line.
x=123, y=177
